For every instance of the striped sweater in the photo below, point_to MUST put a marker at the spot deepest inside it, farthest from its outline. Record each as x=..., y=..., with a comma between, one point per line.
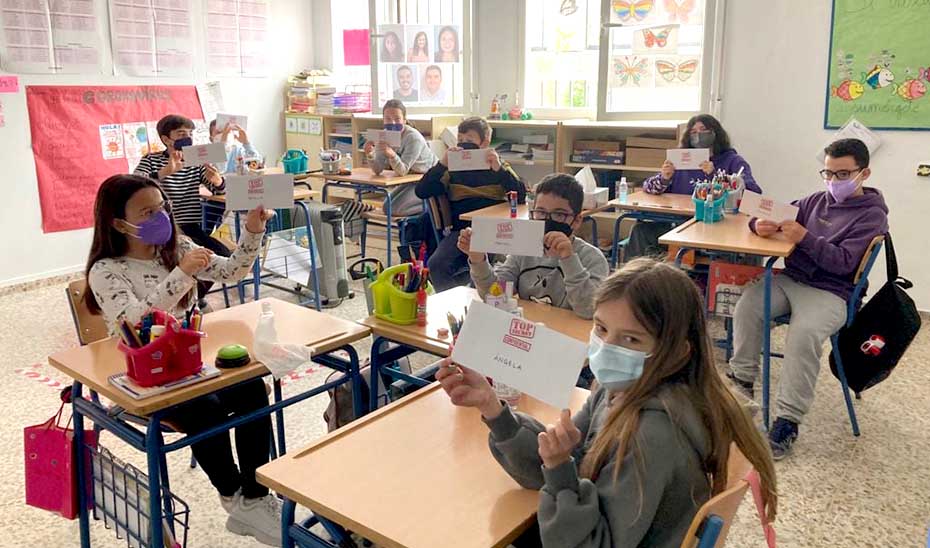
x=182, y=188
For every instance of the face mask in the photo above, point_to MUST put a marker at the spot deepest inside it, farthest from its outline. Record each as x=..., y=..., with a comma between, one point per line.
x=394, y=127
x=841, y=189
x=468, y=146
x=156, y=230
x=614, y=367
x=181, y=143
x=554, y=226
x=704, y=139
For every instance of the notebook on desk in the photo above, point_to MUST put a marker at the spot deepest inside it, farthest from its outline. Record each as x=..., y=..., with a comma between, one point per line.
x=123, y=382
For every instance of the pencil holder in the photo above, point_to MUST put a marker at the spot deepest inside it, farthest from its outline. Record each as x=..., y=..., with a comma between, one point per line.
x=170, y=357
x=715, y=215
x=391, y=303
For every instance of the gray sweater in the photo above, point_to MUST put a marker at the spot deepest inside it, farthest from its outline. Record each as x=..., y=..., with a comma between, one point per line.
x=413, y=156
x=604, y=513
x=566, y=283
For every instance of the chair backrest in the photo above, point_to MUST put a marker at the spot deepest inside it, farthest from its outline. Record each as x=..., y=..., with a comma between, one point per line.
x=437, y=147
x=90, y=327
x=440, y=214
x=723, y=506
x=868, y=258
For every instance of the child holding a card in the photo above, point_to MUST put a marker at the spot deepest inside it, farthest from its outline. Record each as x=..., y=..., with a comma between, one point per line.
x=182, y=184
x=650, y=445
x=234, y=151
x=702, y=131
x=832, y=231
x=467, y=191
x=138, y=261
x=571, y=269
x=413, y=155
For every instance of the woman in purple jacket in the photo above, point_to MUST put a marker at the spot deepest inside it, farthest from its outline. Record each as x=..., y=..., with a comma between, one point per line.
x=703, y=131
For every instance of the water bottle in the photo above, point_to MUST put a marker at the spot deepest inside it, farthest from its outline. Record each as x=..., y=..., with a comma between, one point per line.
x=348, y=162
x=265, y=332
x=622, y=190
x=709, y=207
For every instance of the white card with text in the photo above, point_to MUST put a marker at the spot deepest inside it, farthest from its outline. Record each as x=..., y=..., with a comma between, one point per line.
x=388, y=137
x=468, y=160
x=765, y=207
x=245, y=192
x=198, y=155
x=508, y=236
x=222, y=119
x=532, y=358
x=687, y=158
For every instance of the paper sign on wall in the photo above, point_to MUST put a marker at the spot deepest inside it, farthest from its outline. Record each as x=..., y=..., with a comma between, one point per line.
x=290, y=124
x=315, y=126
x=303, y=125
x=765, y=207
x=687, y=158
x=198, y=155
x=222, y=120
x=467, y=160
x=390, y=138
x=244, y=192
x=508, y=236
x=532, y=358
x=9, y=84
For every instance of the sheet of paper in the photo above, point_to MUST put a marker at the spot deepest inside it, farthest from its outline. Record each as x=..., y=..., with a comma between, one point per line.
x=198, y=155
x=534, y=359
x=854, y=129
x=390, y=138
x=468, y=160
x=765, y=207
x=244, y=192
x=508, y=236
x=211, y=99
x=687, y=158
x=241, y=120
x=9, y=84
x=585, y=176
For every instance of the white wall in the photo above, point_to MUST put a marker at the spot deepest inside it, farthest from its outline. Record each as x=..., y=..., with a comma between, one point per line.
x=497, y=50
x=27, y=253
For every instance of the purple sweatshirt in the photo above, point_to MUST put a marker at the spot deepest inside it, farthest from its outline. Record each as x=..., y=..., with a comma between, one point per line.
x=837, y=237
x=727, y=160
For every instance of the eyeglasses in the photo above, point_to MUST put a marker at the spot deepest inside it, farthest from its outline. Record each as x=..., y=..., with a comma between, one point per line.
x=557, y=216
x=841, y=174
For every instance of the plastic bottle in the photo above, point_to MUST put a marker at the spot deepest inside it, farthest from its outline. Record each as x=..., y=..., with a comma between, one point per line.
x=265, y=330
x=348, y=162
x=709, y=207
x=623, y=189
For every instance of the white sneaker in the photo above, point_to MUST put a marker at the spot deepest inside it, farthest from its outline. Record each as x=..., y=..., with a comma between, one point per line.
x=258, y=518
x=228, y=503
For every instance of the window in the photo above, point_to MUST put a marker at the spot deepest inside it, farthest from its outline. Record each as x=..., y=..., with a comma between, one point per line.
x=561, y=54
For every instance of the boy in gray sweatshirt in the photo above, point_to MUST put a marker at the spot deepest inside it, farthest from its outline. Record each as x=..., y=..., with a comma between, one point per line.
x=571, y=270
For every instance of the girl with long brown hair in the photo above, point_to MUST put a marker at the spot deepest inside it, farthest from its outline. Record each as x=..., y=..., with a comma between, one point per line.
x=651, y=443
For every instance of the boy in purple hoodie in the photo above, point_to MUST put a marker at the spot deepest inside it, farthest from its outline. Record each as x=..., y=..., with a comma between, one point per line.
x=703, y=131
x=832, y=231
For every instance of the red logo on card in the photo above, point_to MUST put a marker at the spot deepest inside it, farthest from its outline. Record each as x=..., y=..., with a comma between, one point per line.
x=256, y=186
x=505, y=231
x=517, y=343
x=522, y=328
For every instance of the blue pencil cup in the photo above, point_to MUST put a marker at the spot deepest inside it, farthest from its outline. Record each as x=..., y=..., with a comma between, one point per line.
x=715, y=215
x=295, y=161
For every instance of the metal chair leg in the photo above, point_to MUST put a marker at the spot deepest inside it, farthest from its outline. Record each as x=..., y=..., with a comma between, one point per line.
x=834, y=340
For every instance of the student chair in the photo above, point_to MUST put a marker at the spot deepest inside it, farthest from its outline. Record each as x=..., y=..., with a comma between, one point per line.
x=440, y=215
x=852, y=306
x=711, y=524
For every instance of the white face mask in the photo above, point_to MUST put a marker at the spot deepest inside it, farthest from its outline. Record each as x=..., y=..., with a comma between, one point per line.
x=615, y=367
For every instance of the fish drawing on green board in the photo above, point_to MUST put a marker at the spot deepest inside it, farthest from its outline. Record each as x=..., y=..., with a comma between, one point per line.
x=911, y=88
x=880, y=75
x=848, y=89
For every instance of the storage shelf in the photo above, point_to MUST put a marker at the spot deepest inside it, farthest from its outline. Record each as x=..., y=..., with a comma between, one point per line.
x=343, y=135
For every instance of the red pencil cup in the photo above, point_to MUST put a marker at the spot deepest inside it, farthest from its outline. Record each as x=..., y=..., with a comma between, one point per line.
x=170, y=357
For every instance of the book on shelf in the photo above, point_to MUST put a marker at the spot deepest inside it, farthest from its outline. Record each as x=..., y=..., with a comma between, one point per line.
x=612, y=157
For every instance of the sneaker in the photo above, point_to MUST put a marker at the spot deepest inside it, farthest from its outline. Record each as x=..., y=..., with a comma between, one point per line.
x=228, y=503
x=782, y=436
x=744, y=387
x=258, y=518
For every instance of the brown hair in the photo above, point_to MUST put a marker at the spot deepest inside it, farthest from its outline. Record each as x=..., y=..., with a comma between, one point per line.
x=667, y=303
x=172, y=122
x=477, y=124
x=395, y=103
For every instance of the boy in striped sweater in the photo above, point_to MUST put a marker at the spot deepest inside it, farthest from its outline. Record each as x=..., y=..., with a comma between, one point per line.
x=182, y=185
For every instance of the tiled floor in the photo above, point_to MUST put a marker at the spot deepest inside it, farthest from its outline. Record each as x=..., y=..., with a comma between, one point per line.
x=836, y=490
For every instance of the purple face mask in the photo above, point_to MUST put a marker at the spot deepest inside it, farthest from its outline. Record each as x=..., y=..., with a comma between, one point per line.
x=841, y=189
x=156, y=230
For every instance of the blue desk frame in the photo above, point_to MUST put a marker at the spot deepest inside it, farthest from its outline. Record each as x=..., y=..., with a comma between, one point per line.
x=364, y=187
x=640, y=216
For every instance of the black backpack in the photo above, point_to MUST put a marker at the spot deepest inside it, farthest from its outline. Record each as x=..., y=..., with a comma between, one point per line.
x=881, y=331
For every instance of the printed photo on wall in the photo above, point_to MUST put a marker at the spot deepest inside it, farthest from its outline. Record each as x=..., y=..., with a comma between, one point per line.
x=677, y=71
x=631, y=71
x=655, y=40
x=633, y=12
x=405, y=83
x=436, y=86
x=391, y=45
x=419, y=43
x=447, y=44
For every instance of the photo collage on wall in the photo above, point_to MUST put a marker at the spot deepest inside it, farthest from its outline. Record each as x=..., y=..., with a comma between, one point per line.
x=421, y=64
x=664, y=49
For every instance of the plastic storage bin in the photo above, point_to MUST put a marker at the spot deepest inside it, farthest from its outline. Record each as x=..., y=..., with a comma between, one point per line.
x=173, y=356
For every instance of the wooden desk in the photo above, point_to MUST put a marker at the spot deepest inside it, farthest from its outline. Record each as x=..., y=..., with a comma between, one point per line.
x=418, y=474
x=502, y=211
x=94, y=363
x=670, y=204
x=732, y=235
x=365, y=176
x=300, y=195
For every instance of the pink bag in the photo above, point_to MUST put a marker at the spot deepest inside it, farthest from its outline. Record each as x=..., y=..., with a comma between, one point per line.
x=51, y=465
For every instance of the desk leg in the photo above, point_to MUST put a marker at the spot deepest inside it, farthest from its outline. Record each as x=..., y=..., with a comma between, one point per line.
x=680, y=256
x=615, y=251
x=593, y=229
x=287, y=519
x=279, y=419
x=310, y=244
x=358, y=406
x=83, y=517
x=240, y=287
x=766, y=338
x=387, y=211
x=377, y=347
x=153, y=453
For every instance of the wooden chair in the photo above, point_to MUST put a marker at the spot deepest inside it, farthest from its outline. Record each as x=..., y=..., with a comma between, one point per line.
x=711, y=524
x=440, y=215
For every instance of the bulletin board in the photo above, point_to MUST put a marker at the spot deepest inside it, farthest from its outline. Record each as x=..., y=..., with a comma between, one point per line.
x=879, y=69
x=83, y=134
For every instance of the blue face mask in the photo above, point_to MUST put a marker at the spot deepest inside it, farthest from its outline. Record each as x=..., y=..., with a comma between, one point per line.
x=614, y=367
x=394, y=127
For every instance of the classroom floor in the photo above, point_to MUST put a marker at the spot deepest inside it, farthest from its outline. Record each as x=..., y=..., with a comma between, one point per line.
x=836, y=490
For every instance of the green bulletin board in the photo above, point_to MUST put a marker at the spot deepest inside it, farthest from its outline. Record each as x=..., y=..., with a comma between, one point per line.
x=879, y=59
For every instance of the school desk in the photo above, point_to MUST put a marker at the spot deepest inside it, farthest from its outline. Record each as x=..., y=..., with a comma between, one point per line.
x=642, y=206
x=91, y=365
x=419, y=475
x=363, y=179
x=732, y=235
x=502, y=211
x=411, y=338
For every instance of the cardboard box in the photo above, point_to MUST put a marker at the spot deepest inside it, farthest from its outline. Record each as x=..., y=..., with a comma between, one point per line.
x=597, y=145
x=651, y=142
x=645, y=157
x=595, y=198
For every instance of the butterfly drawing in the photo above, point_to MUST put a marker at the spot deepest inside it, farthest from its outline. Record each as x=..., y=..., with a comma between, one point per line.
x=627, y=70
x=652, y=39
x=682, y=71
x=632, y=9
x=678, y=9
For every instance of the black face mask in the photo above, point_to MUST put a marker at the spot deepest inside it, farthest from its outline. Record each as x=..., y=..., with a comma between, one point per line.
x=468, y=146
x=555, y=226
x=183, y=142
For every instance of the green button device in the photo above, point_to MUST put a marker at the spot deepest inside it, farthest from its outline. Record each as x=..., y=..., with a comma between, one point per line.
x=232, y=356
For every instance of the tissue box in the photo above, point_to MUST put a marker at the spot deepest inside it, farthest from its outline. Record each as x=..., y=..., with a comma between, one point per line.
x=595, y=198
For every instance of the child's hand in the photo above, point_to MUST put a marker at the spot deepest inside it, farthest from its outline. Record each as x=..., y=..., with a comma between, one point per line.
x=558, y=245
x=464, y=245
x=794, y=230
x=174, y=165
x=668, y=169
x=213, y=175
x=255, y=219
x=445, y=156
x=195, y=261
x=241, y=135
x=558, y=441
x=707, y=167
x=766, y=228
x=369, y=147
x=494, y=160
x=467, y=388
